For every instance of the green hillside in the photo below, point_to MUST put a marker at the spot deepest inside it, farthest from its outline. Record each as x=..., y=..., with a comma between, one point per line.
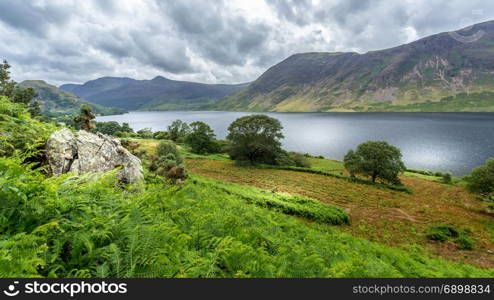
x=56, y=102
x=403, y=78
x=158, y=93
x=90, y=226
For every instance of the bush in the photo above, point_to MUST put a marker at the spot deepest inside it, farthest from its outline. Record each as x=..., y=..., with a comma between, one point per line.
x=168, y=162
x=300, y=160
x=481, y=179
x=443, y=233
x=18, y=131
x=133, y=147
x=256, y=139
x=377, y=160
x=160, y=135
x=446, y=178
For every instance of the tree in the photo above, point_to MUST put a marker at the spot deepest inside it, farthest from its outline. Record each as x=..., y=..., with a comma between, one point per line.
x=7, y=86
x=178, y=130
x=201, y=139
x=109, y=128
x=145, y=133
x=481, y=179
x=377, y=160
x=83, y=120
x=255, y=139
x=10, y=89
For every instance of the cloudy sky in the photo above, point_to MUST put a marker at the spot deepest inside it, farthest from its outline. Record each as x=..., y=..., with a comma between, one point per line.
x=211, y=41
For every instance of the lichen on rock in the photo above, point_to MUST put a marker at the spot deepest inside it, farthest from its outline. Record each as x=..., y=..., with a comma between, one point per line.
x=85, y=152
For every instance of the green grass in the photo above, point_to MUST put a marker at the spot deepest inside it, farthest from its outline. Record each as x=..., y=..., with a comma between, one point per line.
x=87, y=227
x=289, y=204
x=327, y=165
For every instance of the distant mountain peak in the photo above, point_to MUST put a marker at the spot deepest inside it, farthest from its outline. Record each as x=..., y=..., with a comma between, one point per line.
x=159, y=93
x=160, y=78
x=429, y=69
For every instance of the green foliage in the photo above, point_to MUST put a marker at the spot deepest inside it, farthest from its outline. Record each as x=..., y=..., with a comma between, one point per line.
x=145, y=133
x=112, y=127
x=300, y=160
x=201, y=139
x=84, y=119
x=288, y=204
x=255, y=139
x=10, y=89
x=481, y=179
x=443, y=233
x=446, y=178
x=18, y=131
x=178, y=130
x=160, y=135
x=86, y=227
x=168, y=162
x=377, y=160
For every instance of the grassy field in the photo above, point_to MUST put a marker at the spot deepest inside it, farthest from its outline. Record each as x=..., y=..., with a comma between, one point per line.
x=385, y=216
x=389, y=217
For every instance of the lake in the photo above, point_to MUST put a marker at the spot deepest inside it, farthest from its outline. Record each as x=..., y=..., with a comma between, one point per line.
x=449, y=142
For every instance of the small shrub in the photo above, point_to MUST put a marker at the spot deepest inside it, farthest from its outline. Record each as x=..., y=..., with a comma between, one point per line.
x=481, y=180
x=443, y=233
x=446, y=178
x=168, y=162
x=160, y=135
x=300, y=160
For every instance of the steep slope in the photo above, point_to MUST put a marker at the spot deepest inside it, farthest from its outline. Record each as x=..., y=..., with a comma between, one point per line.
x=429, y=69
x=157, y=94
x=55, y=102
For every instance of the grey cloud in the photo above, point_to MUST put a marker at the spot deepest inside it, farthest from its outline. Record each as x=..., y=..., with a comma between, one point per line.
x=36, y=19
x=208, y=41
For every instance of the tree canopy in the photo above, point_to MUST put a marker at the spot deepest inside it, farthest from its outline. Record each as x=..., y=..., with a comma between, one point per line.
x=178, y=130
x=11, y=90
x=255, y=139
x=201, y=139
x=377, y=160
x=481, y=179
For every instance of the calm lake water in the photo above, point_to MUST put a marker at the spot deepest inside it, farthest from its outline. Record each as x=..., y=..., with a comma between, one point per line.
x=450, y=142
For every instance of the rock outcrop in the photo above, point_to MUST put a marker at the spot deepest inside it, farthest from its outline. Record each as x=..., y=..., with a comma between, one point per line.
x=86, y=152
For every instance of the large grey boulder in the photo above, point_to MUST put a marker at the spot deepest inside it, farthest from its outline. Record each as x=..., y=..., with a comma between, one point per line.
x=86, y=152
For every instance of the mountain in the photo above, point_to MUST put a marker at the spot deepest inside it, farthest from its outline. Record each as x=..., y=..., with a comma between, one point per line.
x=55, y=102
x=436, y=73
x=159, y=93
